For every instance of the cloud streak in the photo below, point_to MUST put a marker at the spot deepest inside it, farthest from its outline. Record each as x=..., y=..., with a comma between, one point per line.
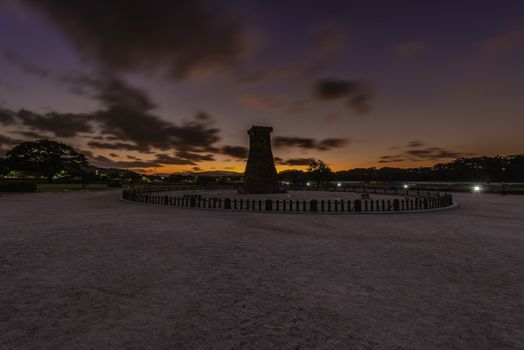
x=293, y=161
x=309, y=143
x=239, y=152
x=356, y=94
x=417, y=151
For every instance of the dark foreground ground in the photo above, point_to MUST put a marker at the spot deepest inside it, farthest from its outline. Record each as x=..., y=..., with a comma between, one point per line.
x=87, y=271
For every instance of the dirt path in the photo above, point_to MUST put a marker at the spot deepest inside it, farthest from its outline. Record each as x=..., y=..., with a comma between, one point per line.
x=87, y=271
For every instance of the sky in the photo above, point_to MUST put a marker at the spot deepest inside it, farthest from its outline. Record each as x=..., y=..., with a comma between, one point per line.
x=167, y=86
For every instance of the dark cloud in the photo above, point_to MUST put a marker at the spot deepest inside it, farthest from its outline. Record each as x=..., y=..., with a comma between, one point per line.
x=60, y=124
x=182, y=37
x=334, y=89
x=124, y=121
x=356, y=93
x=167, y=159
x=25, y=65
x=7, y=117
x=8, y=141
x=294, y=161
x=415, y=151
x=309, y=143
x=114, y=145
x=197, y=157
x=301, y=142
x=433, y=153
x=330, y=143
x=31, y=134
x=235, y=151
x=415, y=144
x=105, y=162
x=392, y=159
x=127, y=115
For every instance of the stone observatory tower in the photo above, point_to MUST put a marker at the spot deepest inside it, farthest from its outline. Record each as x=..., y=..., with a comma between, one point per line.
x=260, y=175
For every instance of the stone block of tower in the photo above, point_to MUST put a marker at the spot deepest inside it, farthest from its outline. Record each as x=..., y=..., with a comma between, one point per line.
x=260, y=175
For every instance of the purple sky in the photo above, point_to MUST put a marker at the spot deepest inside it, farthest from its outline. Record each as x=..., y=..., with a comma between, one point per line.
x=174, y=85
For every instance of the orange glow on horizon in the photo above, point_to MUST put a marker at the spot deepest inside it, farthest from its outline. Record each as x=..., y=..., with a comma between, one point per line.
x=240, y=168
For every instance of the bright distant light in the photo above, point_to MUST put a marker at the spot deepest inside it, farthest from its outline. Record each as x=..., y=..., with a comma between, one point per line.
x=476, y=188
x=308, y=184
x=339, y=184
x=405, y=186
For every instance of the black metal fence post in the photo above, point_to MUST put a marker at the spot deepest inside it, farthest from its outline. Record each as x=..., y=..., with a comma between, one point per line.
x=358, y=205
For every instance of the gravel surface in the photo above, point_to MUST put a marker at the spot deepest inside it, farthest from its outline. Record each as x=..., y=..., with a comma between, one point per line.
x=85, y=270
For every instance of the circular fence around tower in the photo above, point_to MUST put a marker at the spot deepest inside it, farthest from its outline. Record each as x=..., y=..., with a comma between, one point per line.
x=347, y=199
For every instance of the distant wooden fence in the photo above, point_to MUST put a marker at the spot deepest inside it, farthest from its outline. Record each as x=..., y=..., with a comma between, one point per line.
x=409, y=202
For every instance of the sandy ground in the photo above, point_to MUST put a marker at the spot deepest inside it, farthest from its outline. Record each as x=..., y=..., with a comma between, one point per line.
x=88, y=271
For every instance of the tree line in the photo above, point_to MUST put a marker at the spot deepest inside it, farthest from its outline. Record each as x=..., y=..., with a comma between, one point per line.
x=479, y=169
x=47, y=159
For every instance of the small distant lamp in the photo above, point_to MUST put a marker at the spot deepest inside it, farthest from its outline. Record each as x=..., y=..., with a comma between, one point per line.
x=477, y=188
x=308, y=184
x=339, y=184
x=405, y=186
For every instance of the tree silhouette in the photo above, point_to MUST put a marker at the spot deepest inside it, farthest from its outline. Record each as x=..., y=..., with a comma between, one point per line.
x=4, y=168
x=294, y=176
x=46, y=158
x=319, y=171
